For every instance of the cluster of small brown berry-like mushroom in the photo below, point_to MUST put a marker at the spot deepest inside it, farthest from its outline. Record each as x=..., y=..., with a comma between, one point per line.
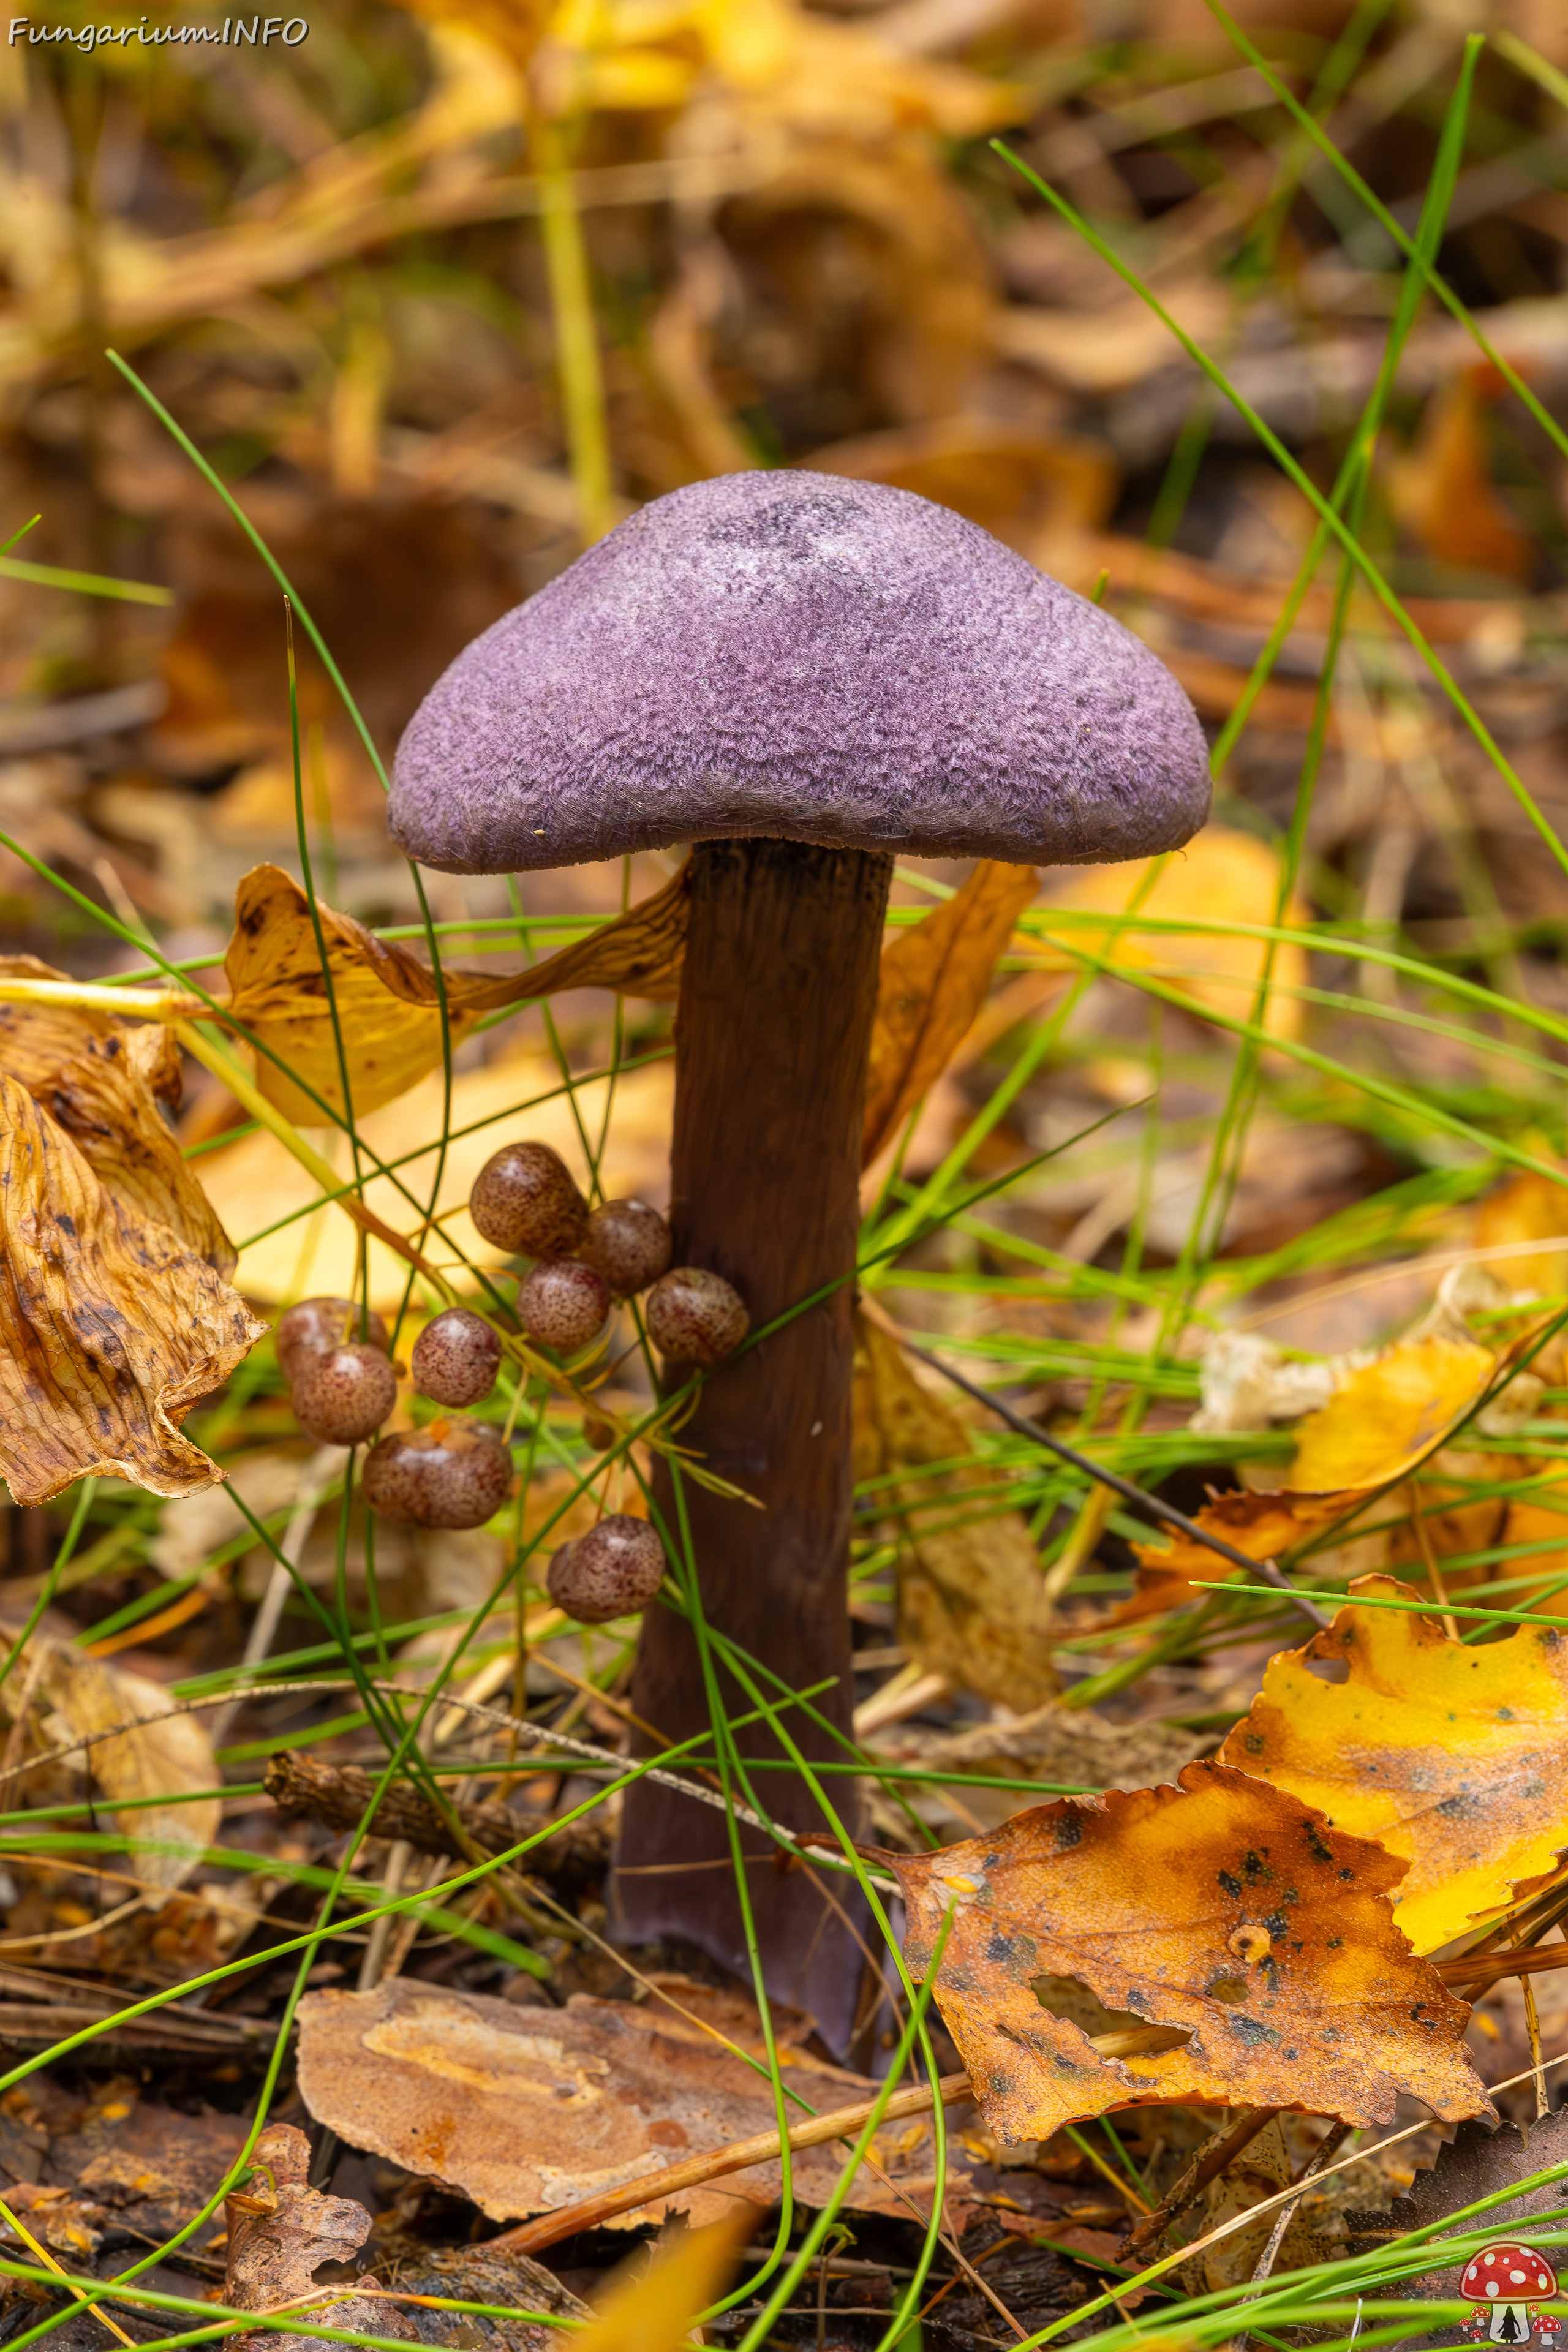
x=451, y=1473
x=456, y=1473
x=524, y=1201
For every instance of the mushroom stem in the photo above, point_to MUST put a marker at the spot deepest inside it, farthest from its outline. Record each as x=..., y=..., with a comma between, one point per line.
x=773, y=1026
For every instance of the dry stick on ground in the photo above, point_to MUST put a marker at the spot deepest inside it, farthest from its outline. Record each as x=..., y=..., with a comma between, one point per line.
x=339, y=1796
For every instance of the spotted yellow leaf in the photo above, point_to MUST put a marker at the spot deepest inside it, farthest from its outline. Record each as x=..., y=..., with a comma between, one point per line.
x=1453, y=1757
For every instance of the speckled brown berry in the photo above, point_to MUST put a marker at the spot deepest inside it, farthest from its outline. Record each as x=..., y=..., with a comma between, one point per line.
x=317, y=1324
x=524, y=1201
x=612, y=1571
x=562, y=1305
x=343, y=1395
x=628, y=1244
x=455, y=1357
x=451, y=1473
x=695, y=1317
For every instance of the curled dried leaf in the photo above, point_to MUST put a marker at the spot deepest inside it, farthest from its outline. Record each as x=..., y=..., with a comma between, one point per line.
x=102, y=1078
x=1453, y=1756
x=930, y=984
x=1262, y=1525
x=280, y=2231
x=161, y=1753
x=971, y=1599
x=1139, y=1897
x=112, y=1327
x=387, y=1002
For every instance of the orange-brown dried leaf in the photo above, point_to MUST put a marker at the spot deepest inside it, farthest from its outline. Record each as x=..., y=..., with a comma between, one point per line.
x=930, y=984
x=1222, y=1907
x=387, y=1003
x=1444, y=492
x=112, y=1328
x=1262, y=1525
x=1453, y=1756
x=102, y=1078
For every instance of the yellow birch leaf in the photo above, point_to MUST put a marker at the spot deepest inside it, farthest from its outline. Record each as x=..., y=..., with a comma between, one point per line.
x=1222, y=1909
x=387, y=999
x=1453, y=1757
x=633, y=77
x=930, y=984
x=111, y=1327
x=1383, y=1421
x=1221, y=876
x=971, y=1599
x=102, y=1078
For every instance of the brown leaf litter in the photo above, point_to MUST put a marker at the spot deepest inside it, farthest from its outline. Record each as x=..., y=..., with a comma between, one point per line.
x=524, y=2110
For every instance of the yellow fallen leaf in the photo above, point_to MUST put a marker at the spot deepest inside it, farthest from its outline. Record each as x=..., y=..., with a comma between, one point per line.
x=1384, y=1421
x=971, y=1599
x=111, y=1328
x=1222, y=1909
x=651, y=2309
x=387, y=1003
x=102, y=1078
x=1221, y=876
x=930, y=984
x=1453, y=1756
x=254, y=1183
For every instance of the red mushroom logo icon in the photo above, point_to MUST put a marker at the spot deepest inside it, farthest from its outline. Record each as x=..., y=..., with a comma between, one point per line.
x=1510, y=2278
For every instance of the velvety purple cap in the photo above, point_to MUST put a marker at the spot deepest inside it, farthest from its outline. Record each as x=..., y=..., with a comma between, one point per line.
x=800, y=655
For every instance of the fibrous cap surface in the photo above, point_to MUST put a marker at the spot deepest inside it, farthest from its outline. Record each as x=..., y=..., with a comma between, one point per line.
x=800, y=655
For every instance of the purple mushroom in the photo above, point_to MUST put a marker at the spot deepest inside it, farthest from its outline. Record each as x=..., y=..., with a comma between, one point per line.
x=801, y=674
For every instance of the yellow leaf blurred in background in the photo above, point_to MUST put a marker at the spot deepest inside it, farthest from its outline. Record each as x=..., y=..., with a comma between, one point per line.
x=1221, y=876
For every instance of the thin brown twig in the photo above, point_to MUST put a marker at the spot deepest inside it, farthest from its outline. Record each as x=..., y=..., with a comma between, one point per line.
x=1207, y=2165
x=1270, y=1570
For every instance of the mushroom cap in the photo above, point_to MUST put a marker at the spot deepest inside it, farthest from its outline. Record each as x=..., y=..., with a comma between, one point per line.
x=804, y=656
x=1507, y=2273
